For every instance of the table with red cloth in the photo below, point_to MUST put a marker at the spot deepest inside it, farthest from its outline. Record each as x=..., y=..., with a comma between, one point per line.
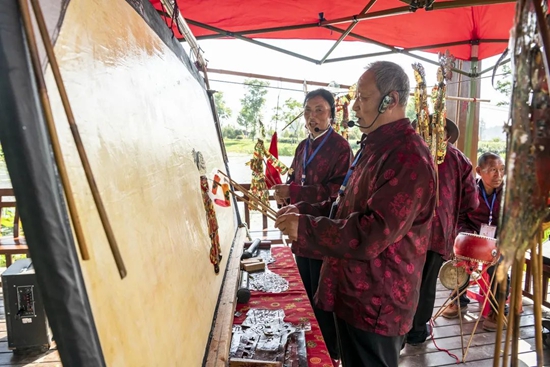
x=295, y=304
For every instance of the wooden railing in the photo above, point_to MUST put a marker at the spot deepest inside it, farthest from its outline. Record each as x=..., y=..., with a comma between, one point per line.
x=15, y=244
x=265, y=232
x=527, y=286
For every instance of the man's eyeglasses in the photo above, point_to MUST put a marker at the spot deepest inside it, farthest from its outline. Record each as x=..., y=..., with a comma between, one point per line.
x=494, y=170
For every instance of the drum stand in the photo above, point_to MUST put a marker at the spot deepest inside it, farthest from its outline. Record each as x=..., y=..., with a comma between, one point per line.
x=484, y=287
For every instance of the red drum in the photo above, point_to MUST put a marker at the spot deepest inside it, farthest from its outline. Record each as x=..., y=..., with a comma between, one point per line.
x=473, y=247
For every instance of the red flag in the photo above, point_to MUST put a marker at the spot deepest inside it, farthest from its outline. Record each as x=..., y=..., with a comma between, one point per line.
x=272, y=176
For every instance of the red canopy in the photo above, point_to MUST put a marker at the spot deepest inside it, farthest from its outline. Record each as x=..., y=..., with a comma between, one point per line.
x=452, y=25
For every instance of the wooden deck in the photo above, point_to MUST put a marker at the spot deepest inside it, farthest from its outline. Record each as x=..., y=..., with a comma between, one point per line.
x=447, y=336
x=446, y=333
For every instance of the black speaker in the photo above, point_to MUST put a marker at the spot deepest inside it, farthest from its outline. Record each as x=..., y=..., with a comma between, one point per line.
x=26, y=321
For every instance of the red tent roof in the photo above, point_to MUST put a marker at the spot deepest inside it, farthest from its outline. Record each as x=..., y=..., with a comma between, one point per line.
x=450, y=25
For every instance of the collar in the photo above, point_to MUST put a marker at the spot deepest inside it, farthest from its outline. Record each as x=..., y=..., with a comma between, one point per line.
x=481, y=186
x=318, y=136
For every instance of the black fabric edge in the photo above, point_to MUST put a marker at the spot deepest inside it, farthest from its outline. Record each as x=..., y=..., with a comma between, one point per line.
x=40, y=200
x=148, y=12
x=55, y=33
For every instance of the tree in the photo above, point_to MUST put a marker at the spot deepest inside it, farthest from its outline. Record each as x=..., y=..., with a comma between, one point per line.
x=482, y=127
x=287, y=113
x=504, y=84
x=224, y=112
x=411, y=110
x=252, y=104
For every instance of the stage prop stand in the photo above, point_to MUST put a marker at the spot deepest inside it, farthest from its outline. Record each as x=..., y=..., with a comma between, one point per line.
x=39, y=76
x=77, y=139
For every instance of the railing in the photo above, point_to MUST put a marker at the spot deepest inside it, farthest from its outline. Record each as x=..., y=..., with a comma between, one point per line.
x=14, y=244
x=527, y=285
x=252, y=217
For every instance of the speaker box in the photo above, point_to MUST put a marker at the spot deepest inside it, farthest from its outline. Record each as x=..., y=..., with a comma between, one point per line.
x=26, y=321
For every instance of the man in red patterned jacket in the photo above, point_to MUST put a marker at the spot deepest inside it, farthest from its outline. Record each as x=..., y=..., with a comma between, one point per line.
x=457, y=196
x=484, y=221
x=375, y=246
x=319, y=167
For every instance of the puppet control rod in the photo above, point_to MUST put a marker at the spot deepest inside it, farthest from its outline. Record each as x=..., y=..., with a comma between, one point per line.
x=33, y=48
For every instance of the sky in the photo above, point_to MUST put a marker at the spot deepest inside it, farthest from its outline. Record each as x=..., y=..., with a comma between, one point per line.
x=237, y=55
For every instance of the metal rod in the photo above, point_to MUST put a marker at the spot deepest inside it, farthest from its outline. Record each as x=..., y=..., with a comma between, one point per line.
x=391, y=48
x=242, y=38
x=346, y=32
x=356, y=57
x=251, y=31
x=77, y=139
x=405, y=10
x=48, y=115
x=269, y=77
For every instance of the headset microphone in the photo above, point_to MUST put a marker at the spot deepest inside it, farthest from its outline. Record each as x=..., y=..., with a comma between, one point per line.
x=317, y=129
x=354, y=123
x=382, y=107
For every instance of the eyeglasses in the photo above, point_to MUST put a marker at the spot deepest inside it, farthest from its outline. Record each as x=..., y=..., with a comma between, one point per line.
x=494, y=170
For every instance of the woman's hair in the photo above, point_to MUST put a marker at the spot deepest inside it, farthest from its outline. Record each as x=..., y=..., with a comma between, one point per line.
x=326, y=95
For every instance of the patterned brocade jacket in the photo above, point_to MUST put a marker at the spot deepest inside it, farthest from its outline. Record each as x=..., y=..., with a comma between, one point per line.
x=376, y=247
x=471, y=222
x=457, y=196
x=324, y=174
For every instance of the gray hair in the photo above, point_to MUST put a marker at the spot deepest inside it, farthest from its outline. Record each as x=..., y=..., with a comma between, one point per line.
x=486, y=157
x=391, y=77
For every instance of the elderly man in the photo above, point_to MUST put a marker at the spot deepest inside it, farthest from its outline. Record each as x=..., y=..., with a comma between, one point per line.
x=375, y=245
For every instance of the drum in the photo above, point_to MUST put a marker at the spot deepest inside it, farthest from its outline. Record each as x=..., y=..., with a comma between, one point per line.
x=476, y=248
x=452, y=276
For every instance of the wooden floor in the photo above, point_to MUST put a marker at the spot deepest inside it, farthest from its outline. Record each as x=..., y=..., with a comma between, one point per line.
x=446, y=333
x=447, y=336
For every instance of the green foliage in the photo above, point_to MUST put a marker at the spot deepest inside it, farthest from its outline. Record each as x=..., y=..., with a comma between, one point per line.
x=286, y=114
x=230, y=132
x=504, y=84
x=224, y=112
x=286, y=146
x=14, y=257
x=411, y=110
x=495, y=146
x=7, y=218
x=251, y=106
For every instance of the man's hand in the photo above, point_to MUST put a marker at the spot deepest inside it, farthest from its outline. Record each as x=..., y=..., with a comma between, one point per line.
x=281, y=194
x=288, y=224
x=288, y=209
